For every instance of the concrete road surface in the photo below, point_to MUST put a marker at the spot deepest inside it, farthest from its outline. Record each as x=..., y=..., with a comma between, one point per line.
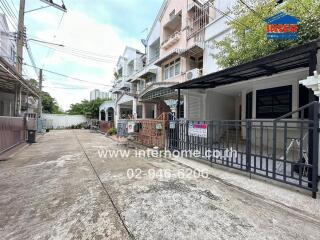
x=59, y=188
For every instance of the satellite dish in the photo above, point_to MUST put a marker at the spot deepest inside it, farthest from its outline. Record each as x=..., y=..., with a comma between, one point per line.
x=144, y=42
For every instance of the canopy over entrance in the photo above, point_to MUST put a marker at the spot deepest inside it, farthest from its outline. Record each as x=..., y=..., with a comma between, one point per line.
x=298, y=57
x=10, y=79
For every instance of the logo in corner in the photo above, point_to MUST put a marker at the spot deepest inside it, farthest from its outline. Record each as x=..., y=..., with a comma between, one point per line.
x=282, y=27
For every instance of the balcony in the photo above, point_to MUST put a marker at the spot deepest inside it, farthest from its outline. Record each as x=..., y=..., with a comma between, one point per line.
x=172, y=39
x=153, y=58
x=120, y=86
x=124, y=85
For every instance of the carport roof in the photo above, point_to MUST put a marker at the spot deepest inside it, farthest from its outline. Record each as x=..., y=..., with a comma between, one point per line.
x=298, y=57
x=9, y=79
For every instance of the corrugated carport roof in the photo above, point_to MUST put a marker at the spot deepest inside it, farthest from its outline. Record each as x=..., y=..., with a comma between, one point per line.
x=9, y=79
x=298, y=57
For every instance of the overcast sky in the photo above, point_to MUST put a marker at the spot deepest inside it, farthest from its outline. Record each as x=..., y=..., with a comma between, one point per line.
x=104, y=27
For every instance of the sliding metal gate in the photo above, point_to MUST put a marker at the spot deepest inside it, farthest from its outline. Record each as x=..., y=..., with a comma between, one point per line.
x=285, y=149
x=12, y=132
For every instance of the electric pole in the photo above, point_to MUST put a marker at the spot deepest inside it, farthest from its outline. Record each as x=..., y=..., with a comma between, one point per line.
x=20, y=37
x=40, y=95
x=20, y=44
x=21, y=33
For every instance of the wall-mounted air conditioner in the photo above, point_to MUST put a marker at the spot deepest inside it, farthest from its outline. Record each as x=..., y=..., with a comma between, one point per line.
x=192, y=74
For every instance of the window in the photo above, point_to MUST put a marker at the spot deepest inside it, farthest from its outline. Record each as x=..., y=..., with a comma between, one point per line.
x=12, y=54
x=172, y=69
x=274, y=102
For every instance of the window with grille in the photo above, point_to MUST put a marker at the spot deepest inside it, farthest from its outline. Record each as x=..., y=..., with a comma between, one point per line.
x=274, y=102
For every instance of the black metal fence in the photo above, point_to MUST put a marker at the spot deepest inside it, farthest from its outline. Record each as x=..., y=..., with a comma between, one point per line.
x=285, y=149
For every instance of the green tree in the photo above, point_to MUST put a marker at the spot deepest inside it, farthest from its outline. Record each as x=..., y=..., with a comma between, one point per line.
x=34, y=83
x=248, y=39
x=88, y=108
x=49, y=104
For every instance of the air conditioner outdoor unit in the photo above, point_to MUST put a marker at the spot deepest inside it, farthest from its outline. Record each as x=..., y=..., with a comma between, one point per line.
x=194, y=73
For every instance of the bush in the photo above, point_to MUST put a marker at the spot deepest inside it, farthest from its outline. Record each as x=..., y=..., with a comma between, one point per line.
x=112, y=131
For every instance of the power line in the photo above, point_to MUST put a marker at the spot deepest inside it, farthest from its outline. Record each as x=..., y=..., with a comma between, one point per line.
x=9, y=17
x=252, y=10
x=66, y=76
x=10, y=9
x=55, y=35
x=227, y=16
x=14, y=7
x=78, y=54
x=78, y=50
x=32, y=59
x=67, y=88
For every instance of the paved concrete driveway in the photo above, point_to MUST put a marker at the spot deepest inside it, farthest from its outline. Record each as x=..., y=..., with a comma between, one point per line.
x=59, y=188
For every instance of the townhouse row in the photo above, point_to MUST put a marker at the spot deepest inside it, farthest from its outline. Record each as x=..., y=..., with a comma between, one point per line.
x=267, y=109
x=180, y=50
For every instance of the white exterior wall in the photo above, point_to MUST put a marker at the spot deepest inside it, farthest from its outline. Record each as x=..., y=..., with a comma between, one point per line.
x=64, y=120
x=7, y=46
x=216, y=30
x=219, y=106
x=223, y=103
x=8, y=53
x=154, y=34
x=292, y=78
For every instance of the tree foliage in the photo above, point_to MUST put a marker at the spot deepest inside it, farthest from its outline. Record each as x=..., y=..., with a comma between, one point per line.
x=90, y=109
x=49, y=104
x=248, y=39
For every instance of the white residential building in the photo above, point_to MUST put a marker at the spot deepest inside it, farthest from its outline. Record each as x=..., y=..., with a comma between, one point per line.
x=8, y=54
x=96, y=93
x=138, y=89
x=7, y=43
x=248, y=98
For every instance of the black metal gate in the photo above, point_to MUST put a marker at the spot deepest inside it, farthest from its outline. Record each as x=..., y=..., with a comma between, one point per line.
x=285, y=149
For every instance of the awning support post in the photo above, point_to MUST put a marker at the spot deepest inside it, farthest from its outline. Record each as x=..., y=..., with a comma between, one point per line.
x=178, y=104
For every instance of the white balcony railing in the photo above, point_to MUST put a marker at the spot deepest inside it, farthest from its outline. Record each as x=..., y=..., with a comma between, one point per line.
x=172, y=39
x=153, y=58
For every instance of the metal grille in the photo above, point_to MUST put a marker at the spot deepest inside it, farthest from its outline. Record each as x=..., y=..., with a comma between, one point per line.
x=12, y=132
x=285, y=150
x=122, y=128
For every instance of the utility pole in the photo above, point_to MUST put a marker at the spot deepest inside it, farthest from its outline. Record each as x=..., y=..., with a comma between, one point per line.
x=20, y=37
x=20, y=34
x=20, y=44
x=40, y=95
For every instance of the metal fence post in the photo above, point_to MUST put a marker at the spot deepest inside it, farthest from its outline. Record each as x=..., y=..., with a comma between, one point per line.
x=315, y=150
x=248, y=144
x=187, y=134
x=211, y=141
x=274, y=150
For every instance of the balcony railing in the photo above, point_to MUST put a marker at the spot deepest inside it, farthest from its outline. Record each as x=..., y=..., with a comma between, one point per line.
x=172, y=39
x=154, y=58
